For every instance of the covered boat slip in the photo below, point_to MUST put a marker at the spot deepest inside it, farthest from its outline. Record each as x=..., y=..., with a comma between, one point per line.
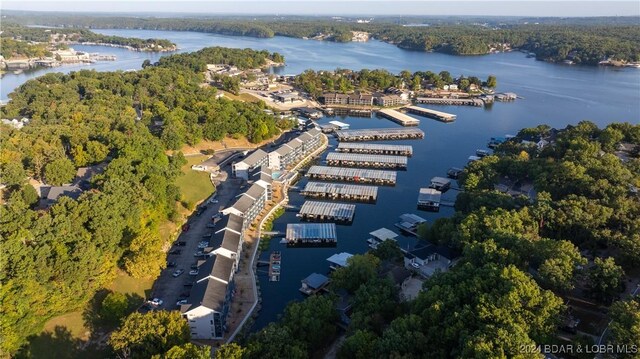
x=379, y=134
x=311, y=234
x=341, y=191
x=366, y=176
x=363, y=160
x=327, y=212
x=375, y=148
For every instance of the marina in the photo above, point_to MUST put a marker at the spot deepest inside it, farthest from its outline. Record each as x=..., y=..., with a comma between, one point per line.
x=437, y=115
x=365, y=160
x=311, y=234
x=450, y=101
x=399, y=117
x=335, y=191
x=409, y=223
x=429, y=199
x=358, y=175
x=315, y=211
x=275, y=260
x=375, y=149
x=380, y=134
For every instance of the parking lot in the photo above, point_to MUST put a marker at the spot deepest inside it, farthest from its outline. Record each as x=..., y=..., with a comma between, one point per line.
x=170, y=289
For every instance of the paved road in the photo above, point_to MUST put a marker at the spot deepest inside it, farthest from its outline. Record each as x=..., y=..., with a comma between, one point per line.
x=169, y=288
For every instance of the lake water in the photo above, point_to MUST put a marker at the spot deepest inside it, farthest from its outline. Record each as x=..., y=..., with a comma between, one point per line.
x=557, y=95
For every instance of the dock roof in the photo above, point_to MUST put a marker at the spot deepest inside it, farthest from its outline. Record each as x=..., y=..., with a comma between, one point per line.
x=383, y=234
x=311, y=231
x=352, y=172
x=374, y=147
x=378, y=133
x=358, y=157
x=340, y=258
x=315, y=280
x=412, y=218
x=330, y=209
x=429, y=195
x=340, y=188
x=440, y=180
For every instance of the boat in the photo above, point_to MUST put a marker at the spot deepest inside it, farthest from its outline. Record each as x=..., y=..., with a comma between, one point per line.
x=482, y=153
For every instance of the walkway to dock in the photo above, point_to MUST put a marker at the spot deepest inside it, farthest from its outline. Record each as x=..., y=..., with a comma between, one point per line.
x=327, y=211
x=399, y=117
x=341, y=191
x=365, y=160
x=451, y=101
x=367, y=176
x=438, y=115
x=274, y=266
x=375, y=149
x=379, y=134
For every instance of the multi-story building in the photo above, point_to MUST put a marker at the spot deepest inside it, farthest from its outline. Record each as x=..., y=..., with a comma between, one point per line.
x=292, y=151
x=334, y=98
x=360, y=99
x=263, y=176
x=242, y=168
x=388, y=100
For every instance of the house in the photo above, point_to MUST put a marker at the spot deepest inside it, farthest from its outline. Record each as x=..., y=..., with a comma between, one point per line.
x=242, y=168
x=380, y=235
x=287, y=97
x=50, y=194
x=85, y=174
x=429, y=259
x=208, y=165
x=339, y=260
x=314, y=283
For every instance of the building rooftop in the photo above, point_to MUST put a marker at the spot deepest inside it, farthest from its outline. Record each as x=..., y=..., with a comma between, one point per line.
x=55, y=192
x=255, y=157
x=255, y=191
x=231, y=221
x=209, y=293
x=223, y=268
x=243, y=203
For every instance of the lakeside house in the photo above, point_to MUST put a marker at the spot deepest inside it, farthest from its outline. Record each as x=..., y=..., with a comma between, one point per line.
x=429, y=259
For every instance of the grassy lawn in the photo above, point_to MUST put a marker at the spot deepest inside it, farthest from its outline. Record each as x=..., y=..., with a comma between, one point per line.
x=72, y=321
x=129, y=285
x=194, y=185
x=241, y=97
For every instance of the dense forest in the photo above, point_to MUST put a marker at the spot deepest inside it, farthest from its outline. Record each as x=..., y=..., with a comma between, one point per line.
x=345, y=81
x=10, y=48
x=11, y=32
x=55, y=260
x=582, y=42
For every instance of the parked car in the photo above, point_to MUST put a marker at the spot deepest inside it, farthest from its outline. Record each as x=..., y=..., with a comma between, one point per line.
x=155, y=302
x=171, y=264
x=185, y=227
x=194, y=272
x=213, y=201
x=203, y=245
x=415, y=265
x=175, y=251
x=177, y=273
x=181, y=302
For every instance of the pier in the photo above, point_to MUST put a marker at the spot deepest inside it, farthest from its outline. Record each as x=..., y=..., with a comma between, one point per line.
x=327, y=212
x=366, y=176
x=375, y=149
x=450, y=101
x=399, y=117
x=274, y=266
x=335, y=191
x=380, y=134
x=311, y=234
x=368, y=161
x=437, y=115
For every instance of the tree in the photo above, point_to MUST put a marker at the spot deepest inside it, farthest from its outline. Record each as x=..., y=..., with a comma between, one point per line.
x=416, y=83
x=144, y=335
x=359, y=345
x=388, y=251
x=359, y=269
x=59, y=171
x=276, y=341
x=187, y=351
x=492, y=82
x=114, y=307
x=312, y=320
x=605, y=279
x=12, y=173
x=625, y=324
x=229, y=351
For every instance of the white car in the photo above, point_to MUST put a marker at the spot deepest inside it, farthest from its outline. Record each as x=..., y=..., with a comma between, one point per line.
x=156, y=302
x=415, y=265
x=181, y=302
x=193, y=272
x=213, y=201
x=177, y=273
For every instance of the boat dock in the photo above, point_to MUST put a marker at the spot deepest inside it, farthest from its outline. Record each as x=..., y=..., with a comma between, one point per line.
x=450, y=101
x=311, y=234
x=314, y=283
x=454, y=172
x=366, y=176
x=409, y=223
x=327, y=212
x=368, y=161
x=275, y=260
x=375, y=149
x=399, y=117
x=429, y=199
x=333, y=191
x=440, y=183
x=379, y=134
x=437, y=115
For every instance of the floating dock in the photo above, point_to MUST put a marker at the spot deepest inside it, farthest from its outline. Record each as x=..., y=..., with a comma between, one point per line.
x=437, y=115
x=314, y=283
x=340, y=125
x=450, y=101
x=454, y=172
x=409, y=223
x=380, y=134
x=375, y=149
x=399, y=117
x=366, y=176
x=367, y=161
x=440, y=183
x=311, y=234
x=327, y=211
x=275, y=260
x=429, y=199
x=335, y=191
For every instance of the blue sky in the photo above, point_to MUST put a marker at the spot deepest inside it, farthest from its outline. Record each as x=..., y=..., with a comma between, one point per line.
x=375, y=7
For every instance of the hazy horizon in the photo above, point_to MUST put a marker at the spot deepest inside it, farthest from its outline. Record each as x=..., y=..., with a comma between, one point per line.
x=573, y=8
